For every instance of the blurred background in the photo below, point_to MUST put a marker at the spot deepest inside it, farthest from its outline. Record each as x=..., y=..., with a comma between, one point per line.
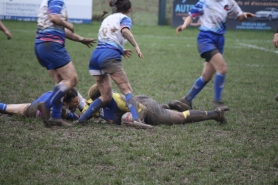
x=143, y=12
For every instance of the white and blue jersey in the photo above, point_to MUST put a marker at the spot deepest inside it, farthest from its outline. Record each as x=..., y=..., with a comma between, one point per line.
x=110, y=41
x=46, y=30
x=52, y=53
x=213, y=14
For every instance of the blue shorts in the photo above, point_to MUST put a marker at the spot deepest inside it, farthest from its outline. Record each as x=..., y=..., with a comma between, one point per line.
x=104, y=60
x=51, y=55
x=208, y=41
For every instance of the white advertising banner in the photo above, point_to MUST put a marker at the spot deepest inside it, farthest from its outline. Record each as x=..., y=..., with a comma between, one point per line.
x=27, y=10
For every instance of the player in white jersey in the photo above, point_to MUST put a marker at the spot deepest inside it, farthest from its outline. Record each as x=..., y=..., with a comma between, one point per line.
x=53, y=28
x=5, y=30
x=106, y=59
x=213, y=15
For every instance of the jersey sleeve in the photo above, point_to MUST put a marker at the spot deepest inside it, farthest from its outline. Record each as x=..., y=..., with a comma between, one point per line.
x=55, y=6
x=126, y=22
x=197, y=9
x=235, y=10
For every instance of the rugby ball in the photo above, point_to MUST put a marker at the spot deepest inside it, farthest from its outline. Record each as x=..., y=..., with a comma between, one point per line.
x=127, y=117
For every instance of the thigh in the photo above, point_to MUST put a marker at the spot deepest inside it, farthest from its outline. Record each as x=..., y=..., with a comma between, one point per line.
x=18, y=109
x=219, y=63
x=104, y=86
x=66, y=72
x=31, y=111
x=51, y=55
x=122, y=81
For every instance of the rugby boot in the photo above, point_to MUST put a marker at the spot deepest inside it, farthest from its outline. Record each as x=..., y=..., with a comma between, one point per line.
x=186, y=102
x=176, y=105
x=221, y=117
x=220, y=104
x=276, y=97
x=44, y=114
x=59, y=122
x=136, y=124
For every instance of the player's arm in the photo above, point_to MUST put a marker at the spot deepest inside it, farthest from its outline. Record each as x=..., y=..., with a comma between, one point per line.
x=275, y=38
x=188, y=20
x=57, y=20
x=5, y=30
x=244, y=16
x=74, y=37
x=129, y=36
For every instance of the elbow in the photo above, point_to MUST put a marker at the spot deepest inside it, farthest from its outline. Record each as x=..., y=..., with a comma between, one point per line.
x=52, y=18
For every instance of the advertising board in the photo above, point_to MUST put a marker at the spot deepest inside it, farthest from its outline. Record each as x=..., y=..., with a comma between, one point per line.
x=26, y=10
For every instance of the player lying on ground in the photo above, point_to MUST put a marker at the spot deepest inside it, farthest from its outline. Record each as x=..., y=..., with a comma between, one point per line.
x=150, y=112
x=66, y=109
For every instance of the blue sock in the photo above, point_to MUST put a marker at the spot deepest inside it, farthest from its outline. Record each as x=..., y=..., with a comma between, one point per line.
x=196, y=88
x=3, y=106
x=56, y=95
x=218, y=85
x=57, y=110
x=131, y=104
x=95, y=106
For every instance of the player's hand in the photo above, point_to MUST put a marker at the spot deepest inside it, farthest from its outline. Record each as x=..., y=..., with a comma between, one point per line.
x=247, y=14
x=9, y=35
x=88, y=41
x=127, y=53
x=139, y=53
x=180, y=28
x=275, y=40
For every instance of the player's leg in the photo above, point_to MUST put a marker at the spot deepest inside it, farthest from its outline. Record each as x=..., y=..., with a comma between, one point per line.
x=191, y=116
x=220, y=66
x=122, y=81
x=13, y=108
x=55, y=58
x=105, y=88
x=276, y=97
x=206, y=47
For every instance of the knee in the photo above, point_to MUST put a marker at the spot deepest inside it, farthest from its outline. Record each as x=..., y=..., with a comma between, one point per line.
x=73, y=80
x=207, y=76
x=106, y=97
x=223, y=70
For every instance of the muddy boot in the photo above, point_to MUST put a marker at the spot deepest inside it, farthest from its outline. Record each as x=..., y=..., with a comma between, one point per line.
x=45, y=114
x=221, y=117
x=59, y=122
x=186, y=102
x=220, y=104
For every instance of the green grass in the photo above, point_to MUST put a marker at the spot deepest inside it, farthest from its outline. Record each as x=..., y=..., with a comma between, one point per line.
x=243, y=151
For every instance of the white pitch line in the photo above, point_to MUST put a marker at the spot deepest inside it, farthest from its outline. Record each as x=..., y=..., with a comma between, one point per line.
x=259, y=48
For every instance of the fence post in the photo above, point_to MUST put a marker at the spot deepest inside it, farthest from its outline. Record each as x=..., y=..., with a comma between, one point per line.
x=162, y=12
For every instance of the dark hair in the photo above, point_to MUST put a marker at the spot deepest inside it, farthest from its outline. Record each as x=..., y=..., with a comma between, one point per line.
x=70, y=94
x=122, y=5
